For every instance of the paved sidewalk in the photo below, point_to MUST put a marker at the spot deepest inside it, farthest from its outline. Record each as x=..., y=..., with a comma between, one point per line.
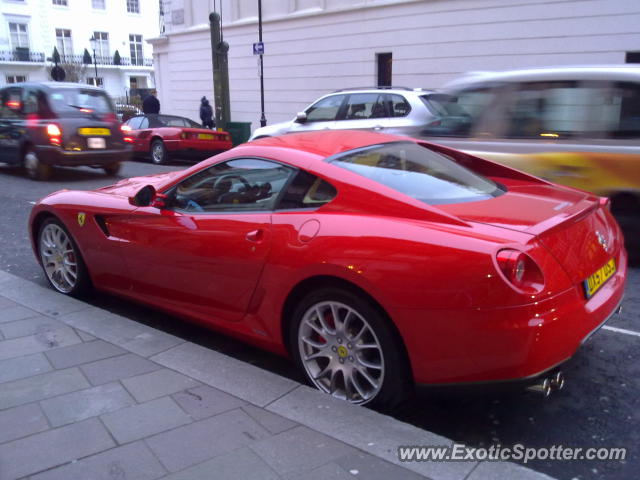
x=88, y=394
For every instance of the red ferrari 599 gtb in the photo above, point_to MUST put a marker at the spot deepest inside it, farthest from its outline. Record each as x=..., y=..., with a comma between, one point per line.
x=376, y=262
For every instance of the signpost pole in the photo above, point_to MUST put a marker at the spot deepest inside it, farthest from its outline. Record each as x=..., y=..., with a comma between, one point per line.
x=263, y=119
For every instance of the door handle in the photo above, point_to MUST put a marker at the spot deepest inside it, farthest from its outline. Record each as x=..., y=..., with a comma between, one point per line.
x=255, y=236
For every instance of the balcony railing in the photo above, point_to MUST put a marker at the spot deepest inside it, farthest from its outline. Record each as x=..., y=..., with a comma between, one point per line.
x=25, y=55
x=21, y=55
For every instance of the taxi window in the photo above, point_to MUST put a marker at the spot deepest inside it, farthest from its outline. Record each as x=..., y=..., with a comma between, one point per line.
x=456, y=115
x=11, y=106
x=63, y=100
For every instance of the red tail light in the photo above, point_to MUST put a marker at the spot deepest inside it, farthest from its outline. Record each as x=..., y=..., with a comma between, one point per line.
x=54, y=133
x=520, y=270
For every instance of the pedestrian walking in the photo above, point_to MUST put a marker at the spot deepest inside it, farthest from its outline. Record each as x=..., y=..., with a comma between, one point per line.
x=151, y=104
x=206, y=113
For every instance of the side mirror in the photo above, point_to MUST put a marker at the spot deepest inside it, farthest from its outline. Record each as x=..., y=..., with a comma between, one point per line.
x=144, y=197
x=301, y=117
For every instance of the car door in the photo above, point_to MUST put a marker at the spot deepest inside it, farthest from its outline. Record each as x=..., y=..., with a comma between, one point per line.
x=321, y=115
x=364, y=111
x=12, y=128
x=203, y=255
x=143, y=135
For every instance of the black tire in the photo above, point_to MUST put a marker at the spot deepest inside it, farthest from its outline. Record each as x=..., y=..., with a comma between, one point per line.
x=396, y=382
x=36, y=170
x=82, y=282
x=158, y=153
x=112, y=169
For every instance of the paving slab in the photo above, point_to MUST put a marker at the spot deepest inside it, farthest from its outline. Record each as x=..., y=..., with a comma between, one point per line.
x=21, y=367
x=31, y=326
x=299, y=449
x=90, y=402
x=157, y=384
x=83, y=353
x=133, y=461
x=272, y=422
x=329, y=471
x=20, y=422
x=367, y=430
x=43, y=386
x=116, y=368
x=143, y=420
x=238, y=378
x=502, y=470
x=128, y=334
x=42, y=300
x=205, y=401
x=241, y=464
x=363, y=465
x=40, y=342
x=52, y=448
x=11, y=313
x=206, y=439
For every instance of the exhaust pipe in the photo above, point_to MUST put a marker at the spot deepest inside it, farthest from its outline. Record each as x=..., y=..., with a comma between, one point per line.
x=548, y=384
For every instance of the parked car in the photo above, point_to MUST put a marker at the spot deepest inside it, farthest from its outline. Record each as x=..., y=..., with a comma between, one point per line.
x=396, y=110
x=163, y=136
x=375, y=261
x=47, y=124
x=578, y=126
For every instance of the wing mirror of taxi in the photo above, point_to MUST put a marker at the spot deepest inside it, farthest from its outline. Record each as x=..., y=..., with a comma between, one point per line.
x=301, y=117
x=144, y=197
x=160, y=200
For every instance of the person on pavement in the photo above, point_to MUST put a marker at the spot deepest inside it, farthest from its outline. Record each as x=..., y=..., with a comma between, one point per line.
x=206, y=113
x=151, y=104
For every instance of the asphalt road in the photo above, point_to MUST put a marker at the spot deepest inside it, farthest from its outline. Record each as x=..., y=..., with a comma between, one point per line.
x=599, y=407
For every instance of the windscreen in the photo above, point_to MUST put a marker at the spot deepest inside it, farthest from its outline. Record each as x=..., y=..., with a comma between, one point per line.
x=417, y=171
x=64, y=100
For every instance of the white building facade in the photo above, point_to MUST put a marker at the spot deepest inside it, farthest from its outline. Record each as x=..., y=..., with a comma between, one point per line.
x=315, y=46
x=30, y=29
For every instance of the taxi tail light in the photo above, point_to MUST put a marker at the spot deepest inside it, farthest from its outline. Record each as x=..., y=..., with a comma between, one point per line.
x=520, y=270
x=109, y=117
x=54, y=133
x=126, y=133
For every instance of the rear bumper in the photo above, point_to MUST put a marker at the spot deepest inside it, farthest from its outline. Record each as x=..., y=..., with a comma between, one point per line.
x=509, y=344
x=51, y=155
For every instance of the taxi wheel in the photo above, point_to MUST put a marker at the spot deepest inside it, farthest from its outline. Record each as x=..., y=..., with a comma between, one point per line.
x=112, y=169
x=159, y=154
x=346, y=347
x=36, y=170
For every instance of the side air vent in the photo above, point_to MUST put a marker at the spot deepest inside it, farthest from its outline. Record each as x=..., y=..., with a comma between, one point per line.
x=102, y=224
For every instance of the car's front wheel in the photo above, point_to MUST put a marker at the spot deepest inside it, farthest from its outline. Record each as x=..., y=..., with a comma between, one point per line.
x=61, y=259
x=346, y=348
x=36, y=170
x=159, y=154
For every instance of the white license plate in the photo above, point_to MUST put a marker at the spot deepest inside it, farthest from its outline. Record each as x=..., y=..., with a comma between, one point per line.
x=96, y=142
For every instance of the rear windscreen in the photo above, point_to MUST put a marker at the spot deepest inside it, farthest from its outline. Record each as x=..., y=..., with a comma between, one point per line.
x=64, y=100
x=421, y=173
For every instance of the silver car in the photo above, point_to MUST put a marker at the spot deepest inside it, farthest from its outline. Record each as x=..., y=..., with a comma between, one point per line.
x=397, y=110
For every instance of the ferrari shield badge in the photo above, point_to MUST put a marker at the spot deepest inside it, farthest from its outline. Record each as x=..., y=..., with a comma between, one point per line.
x=81, y=218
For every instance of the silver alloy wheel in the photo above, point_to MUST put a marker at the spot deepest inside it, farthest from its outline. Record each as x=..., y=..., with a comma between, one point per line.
x=31, y=164
x=58, y=258
x=157, y=152
x=340, y=352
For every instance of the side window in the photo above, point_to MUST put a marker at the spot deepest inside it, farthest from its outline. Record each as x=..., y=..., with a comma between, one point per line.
x=325, y=110
x=457, y=114
x=32, y=102
x=234, y=186
x=12, y=106
x=621, y=111
x=134, y=122
x=398, y=105
x=365, y=105
x=561, y=110
x=306, y=191
x=144, y=123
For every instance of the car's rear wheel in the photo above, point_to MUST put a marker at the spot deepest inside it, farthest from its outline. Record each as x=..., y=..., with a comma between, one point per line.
x=159, y=154
x=346, y=348
x=61, y=259
x=112, y=169
x=36, y=170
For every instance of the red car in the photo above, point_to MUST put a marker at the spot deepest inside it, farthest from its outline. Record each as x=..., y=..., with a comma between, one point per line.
x=164, y=136
x=375, y=261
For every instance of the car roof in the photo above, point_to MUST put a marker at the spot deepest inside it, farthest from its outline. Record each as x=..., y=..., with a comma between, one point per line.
x=56, y=85
x=396, y=90
x=328, y=143
x=629, y=72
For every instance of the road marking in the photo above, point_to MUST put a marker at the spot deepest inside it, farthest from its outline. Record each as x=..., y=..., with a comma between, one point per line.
x=621, y=330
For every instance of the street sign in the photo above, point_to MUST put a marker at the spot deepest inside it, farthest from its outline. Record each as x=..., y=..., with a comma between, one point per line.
x=258, y=48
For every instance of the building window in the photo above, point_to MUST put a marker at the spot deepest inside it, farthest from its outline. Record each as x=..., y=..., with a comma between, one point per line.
x=102, y=45
x=63, y=42
x=60, y=2
x=133, y=6
x=384, y=69
x=135, y=44
x=16, y=78
x=19, y=35
x=98, y=4
x=632, y=57
x=95, y=81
